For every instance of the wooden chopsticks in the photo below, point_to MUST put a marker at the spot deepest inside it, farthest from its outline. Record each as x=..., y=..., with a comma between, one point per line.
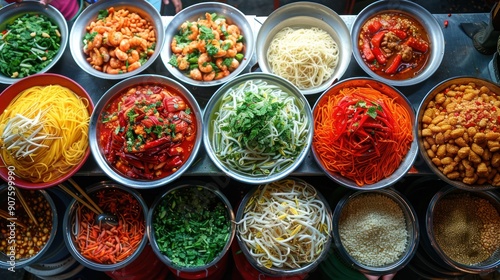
x=5, y=215
x=90, y=204
x=25, y=206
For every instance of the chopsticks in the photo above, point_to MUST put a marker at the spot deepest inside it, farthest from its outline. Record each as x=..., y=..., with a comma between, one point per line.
x=25, y=206
x=90, y=204
x=5, y=215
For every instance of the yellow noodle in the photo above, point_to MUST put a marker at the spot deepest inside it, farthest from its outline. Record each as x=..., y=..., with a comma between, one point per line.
x=306, y=57
x=66, y=119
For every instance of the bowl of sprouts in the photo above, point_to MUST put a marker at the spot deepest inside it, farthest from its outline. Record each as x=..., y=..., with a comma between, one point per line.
x=34, y=37
x=284, y=227
x=257, y=128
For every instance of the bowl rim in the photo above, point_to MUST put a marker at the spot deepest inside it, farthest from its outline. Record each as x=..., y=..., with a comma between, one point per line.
x=67, y=227
x=15, y=10
x=180, y=17
x=145, y=8
x=419, y=13
x=490, y=195
x=417, y=129
x=315, y=12
x=55, y=220
x=43, y=79
x=283, y=272
x=114, y=92
x=213, y=105
x=230, y=215
x=407, y=161
x=411, y=223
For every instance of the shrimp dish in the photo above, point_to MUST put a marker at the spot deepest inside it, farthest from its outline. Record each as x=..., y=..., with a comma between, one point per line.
x=208, y=49
x=119, y=41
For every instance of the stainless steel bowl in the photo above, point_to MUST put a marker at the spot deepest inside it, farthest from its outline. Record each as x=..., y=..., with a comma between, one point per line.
x=412, y=227
x=95, y=120
x=306, y=15
x=407, y=161
x=213, y=106
x=488, y=265
x=428, y=21
x=69, y=227
x=15, y=10
x=78, y=31
x=283, y=272
x=418, y=127
x=193, y=13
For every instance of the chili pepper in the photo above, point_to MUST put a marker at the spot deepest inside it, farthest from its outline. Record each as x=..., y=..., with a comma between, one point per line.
x=445, y=23
x=374, y=26
x=377, y=39
x=379, y=55
x=417, y=45
x=394, y=64
x=400, y=33
x=367, y=52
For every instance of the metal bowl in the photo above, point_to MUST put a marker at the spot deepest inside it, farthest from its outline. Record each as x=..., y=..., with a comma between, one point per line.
x=441, y=87
x=212, y=266
x=306, y=15
x=193, y=13
x=488, y=265
x=89, y=14
x=15, y=10
x=44, y=79
x=9, y=197
x=213, y=107
x=388, y=90
x=428, y=21
x=284, y=272
x=412, y=227
x=95, y=121
x=70, y=221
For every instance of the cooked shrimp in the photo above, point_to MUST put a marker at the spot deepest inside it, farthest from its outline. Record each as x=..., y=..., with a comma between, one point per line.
x=115, y=63
x=124, y=45
x=203, y=63
x=231, y=52
x=121, y=55
x=104, y=53
x=234, y=64
x=182, y=62
x=96, y=58
x=175, y=49
x=219, y=62
x=133, y=66
x=234, y=30
x=115, y=38
x=133, y=56
x=222, y=74
x=193, y=29
x=138, y=42
x=239, y=47
x=195, y=74
x=209, y=76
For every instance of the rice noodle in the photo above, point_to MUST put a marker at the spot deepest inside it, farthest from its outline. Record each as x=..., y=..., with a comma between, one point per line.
x=306, y=57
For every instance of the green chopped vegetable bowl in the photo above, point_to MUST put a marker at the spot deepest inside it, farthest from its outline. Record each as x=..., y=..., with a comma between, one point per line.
x=34, y=37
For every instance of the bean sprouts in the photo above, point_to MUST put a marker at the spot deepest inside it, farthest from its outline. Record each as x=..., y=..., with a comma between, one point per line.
x=23, y=136
x=259, y=128
x=285, y=224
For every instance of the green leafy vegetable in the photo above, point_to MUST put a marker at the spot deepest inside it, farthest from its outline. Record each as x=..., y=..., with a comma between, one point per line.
x=102, y=14
x=29, y=43
x=191, y=226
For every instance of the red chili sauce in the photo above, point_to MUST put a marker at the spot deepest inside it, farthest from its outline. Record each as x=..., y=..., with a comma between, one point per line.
x=147, y=132
x=394, y=45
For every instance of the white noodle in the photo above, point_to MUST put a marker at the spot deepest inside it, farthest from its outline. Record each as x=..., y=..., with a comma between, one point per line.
x=307, y=57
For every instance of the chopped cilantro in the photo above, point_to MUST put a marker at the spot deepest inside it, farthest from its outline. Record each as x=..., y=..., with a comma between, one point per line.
x=206, y=33
x=102, y=14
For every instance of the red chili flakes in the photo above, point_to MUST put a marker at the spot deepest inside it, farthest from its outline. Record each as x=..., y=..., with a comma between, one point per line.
x=445, y=23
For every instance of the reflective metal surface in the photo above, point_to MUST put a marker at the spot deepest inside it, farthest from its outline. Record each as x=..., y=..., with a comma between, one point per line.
x=306, y=15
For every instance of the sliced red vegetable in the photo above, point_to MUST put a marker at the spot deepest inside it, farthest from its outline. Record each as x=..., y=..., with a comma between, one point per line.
x=394, y=65
x=374, y=26
x=400, y=33
x=379, y=55
x=417, y=45
x=367, y=52
x=377, y=39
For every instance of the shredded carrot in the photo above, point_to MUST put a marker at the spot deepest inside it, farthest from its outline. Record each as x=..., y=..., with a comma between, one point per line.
x=110, y=244
x=362, y=134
